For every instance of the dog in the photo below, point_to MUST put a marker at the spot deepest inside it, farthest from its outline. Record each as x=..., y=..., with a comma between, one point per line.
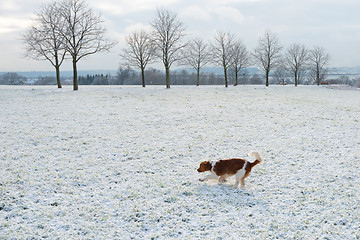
x=222, y=169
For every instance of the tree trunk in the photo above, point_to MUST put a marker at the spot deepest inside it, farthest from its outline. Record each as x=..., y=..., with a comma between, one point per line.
x=267, y=77
x=197, y=76
x=57, y=69
x=76, y=87
x=236, y=77
x=225, y=74
x=143, y=76
x=58, y=77
x=317, y=76
x=296, y=78
x=167, y=77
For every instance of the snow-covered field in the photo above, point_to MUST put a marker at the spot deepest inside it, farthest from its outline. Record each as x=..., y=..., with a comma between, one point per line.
x=120, y=162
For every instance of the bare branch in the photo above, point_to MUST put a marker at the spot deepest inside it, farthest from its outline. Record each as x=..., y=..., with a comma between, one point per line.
x=268, y=53
x=296, y=58
x=167, y=36
x=240, y=58
x=140, y=51
x=196, y=54
x=318, y=58
x=83, y=32
x=43, y=41
x=222, y=51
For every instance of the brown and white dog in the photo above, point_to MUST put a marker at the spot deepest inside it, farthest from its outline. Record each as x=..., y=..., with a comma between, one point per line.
x=223, y=169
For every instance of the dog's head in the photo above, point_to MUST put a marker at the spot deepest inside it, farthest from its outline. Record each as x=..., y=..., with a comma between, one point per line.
x=204, y=166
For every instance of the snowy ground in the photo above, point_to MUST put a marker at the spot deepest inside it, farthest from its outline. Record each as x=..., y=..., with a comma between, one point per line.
x=120, y=162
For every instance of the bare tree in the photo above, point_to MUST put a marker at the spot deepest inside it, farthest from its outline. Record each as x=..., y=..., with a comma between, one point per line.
x=241, y=58
x=167, y=36
x=296, y=58
x=140, y=51
x=318, y=59
x=43, y=41
x=197, y=55
x=268, y=53
x=83, y=32
x=222, y=51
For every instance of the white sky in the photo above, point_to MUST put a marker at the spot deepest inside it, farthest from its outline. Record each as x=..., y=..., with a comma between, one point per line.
x=332, y=24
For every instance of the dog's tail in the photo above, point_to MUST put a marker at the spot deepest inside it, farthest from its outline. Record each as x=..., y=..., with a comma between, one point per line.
x=256, y=155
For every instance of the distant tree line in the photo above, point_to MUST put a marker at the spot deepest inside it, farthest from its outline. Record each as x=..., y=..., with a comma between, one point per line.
x=129, y=76
x=69, y=29
x=12, y=78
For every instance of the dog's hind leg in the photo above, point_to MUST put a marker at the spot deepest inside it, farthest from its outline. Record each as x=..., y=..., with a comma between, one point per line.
x=242, y=183
x=239, y=176
x=237, y=181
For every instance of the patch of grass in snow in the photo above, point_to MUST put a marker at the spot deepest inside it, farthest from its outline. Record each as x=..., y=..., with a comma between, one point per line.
x=127, y=165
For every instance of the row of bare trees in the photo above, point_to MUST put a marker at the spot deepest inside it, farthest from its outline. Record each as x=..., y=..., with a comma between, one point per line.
x=299, y=60
x=66, y=29
x=69, y=29
x=166, y=42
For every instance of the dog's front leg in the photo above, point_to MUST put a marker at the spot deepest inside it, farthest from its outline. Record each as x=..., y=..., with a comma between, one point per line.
x=222, y=179
x=207, y=177
x=237, y=182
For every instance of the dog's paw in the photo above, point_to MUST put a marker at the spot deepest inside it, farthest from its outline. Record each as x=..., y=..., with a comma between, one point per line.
x=222, y=180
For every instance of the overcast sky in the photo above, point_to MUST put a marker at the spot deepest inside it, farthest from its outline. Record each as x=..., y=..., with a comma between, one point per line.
x=332, y=24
